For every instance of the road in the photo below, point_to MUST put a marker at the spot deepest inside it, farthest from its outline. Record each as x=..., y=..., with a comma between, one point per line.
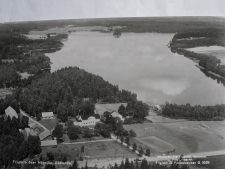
x=106, y=162
x=89, y=141
x=23, y=113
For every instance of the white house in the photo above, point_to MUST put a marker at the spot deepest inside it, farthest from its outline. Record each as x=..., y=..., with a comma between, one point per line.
x=87, y=120
x=48, y=115
x=116, y=114
x=11, y=112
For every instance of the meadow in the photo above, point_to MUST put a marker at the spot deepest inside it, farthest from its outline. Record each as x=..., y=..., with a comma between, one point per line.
x=186, y=137
x=92, y=150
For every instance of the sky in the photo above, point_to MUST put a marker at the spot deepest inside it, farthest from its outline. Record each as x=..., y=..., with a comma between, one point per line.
x=30, y=10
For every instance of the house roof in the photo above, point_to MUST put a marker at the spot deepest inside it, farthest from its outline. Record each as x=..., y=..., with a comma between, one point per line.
x=34, y=125
x=33, y=133
x=44, y=134
x=85, y=117
x=97, y=116
x=11, y=112
x=115, y=114
x=47, y=114
x=48, y=143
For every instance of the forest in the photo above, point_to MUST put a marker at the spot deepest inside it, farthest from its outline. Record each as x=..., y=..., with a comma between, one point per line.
x=197, y=112
x=63, y=92
x=13, y=145
x=27, y=54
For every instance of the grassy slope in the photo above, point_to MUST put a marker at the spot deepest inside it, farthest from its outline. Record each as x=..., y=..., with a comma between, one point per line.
x=187, y=137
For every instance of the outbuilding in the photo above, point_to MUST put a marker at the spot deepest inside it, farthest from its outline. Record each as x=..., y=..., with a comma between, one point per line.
x=49, y=143
x=11, y=112
x=48, y=115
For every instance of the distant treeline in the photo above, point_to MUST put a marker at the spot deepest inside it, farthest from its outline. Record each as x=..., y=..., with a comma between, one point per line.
x=63, y=92
x=197, y=112
x=195, y=38
x=26, y=55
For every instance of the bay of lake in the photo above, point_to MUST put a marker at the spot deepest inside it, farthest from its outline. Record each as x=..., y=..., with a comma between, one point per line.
x=141, y=63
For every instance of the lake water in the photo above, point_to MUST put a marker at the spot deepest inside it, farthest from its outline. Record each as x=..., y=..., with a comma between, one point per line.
x=141, y=63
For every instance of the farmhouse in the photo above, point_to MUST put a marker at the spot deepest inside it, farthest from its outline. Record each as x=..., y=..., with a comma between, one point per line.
x=11, y=112
x=87, y=120
x=49, y=143
x=48, y=115
x=45, y=135
x=117, y=115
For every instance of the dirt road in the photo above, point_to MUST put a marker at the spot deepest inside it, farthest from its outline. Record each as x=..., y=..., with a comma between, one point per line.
x=23, y=113
x=106, y=162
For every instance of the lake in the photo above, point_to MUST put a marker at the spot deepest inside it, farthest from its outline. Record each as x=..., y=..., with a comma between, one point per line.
x=141, y=63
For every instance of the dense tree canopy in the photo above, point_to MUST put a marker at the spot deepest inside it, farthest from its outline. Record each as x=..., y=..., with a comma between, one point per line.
x=196, y=112
x=196, y=38
x=63, y=91
x=13, y=146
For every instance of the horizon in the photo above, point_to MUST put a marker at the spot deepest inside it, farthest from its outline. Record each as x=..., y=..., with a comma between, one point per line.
x=75, y=9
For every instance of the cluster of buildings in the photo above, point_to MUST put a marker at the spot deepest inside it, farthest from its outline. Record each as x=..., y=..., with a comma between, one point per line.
x=46, y=138
x=91, y=120
x=35, y=129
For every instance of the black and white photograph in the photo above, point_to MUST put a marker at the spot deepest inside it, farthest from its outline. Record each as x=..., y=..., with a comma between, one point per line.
x=112, y=84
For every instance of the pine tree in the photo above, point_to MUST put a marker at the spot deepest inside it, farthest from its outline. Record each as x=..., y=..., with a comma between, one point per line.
x=116, y=166
x=75, y=165
x=122, y=139
x=148, y=152
x=121, y=165
x=127, y=141
x=127, y=164
x=82, y=149
x=131, y=165
x=134, y=147
x=141, y=151
x=64, y=158
x=86, y=167
x=144, y=164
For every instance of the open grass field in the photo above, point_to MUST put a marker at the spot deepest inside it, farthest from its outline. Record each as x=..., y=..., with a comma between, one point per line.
x=96, y=150
x=153, y=117
x=157, y=144
x=217, y=51
x=101, y=108
x=187, y=137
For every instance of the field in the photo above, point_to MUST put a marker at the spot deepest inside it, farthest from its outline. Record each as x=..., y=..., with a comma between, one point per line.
x=153, y=117
x=217, y=51
x=101, y=108
x=157, y=144
x=187, y=136
x=96, y=150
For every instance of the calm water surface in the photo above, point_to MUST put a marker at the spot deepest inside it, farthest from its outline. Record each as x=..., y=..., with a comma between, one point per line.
x=141, y=63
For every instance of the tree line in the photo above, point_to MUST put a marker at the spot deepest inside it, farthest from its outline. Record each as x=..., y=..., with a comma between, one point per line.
x=210, y=37
x=197, y=112
x=28, y=55
x=13, y=146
